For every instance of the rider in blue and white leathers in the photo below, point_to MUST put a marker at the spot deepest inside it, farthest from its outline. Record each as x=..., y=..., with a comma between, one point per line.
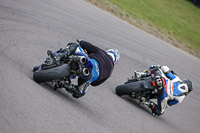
x=173, y=92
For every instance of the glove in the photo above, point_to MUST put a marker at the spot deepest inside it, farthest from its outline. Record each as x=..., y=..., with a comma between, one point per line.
x=155, y=109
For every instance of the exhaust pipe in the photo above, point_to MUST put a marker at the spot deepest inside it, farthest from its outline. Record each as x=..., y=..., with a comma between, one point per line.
x=82, y=72
x=81, y=59
x=86, y=72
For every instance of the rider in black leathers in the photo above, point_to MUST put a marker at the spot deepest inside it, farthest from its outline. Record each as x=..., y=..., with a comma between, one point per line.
x=100, y=63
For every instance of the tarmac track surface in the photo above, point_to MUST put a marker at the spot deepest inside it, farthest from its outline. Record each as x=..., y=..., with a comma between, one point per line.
x=28, y=28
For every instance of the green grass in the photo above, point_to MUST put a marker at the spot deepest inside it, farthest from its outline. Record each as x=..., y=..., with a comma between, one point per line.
x=179, y=18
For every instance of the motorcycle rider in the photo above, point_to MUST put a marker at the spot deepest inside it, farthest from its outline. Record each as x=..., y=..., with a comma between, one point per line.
x=170, y=89
x=99, y=62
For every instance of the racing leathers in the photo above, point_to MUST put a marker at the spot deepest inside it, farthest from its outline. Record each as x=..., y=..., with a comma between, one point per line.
x=174, y=92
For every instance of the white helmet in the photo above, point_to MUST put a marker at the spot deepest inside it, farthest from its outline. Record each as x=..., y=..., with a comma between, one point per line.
x=165, y=69
x=114, y=53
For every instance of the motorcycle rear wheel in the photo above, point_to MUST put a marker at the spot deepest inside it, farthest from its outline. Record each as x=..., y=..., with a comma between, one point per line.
x=129, y=88
x=51, y=74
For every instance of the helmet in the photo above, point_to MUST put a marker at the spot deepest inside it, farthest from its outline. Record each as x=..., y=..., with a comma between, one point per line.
x=165, y=69
x=158, y=84
x=189, y=84
x=114, y=53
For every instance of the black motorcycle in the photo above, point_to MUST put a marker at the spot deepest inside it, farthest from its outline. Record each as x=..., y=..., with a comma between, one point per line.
x=141, y=88
x=60, y=72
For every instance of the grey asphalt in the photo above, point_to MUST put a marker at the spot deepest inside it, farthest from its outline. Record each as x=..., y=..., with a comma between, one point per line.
x=28, y=28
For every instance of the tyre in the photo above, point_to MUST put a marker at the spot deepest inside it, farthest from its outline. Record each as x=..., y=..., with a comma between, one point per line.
x=127, y=89
x=51, y=74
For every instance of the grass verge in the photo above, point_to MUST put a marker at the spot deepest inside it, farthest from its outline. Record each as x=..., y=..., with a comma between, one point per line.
x=174, y=21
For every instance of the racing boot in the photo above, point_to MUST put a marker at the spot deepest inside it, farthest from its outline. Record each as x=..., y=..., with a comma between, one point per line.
x=76, y=93
x=68, y=87
x=144, y=101
x=73, y=89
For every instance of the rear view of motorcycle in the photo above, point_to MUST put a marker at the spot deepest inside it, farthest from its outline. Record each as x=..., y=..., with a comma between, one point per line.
x=142, y=88
x=60, y=72
x=137, y=88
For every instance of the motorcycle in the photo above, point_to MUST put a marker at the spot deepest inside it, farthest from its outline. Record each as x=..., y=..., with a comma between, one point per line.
x=60, y=72
x=140, y=88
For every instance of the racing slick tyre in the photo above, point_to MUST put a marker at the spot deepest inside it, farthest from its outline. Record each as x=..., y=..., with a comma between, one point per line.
x=51, y=74
x=129, y=88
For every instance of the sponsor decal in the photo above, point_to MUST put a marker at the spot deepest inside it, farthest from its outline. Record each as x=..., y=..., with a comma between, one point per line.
x=97, y=68
x=170, y=88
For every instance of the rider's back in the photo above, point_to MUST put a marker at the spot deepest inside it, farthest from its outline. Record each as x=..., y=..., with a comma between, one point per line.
x=105, y=62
